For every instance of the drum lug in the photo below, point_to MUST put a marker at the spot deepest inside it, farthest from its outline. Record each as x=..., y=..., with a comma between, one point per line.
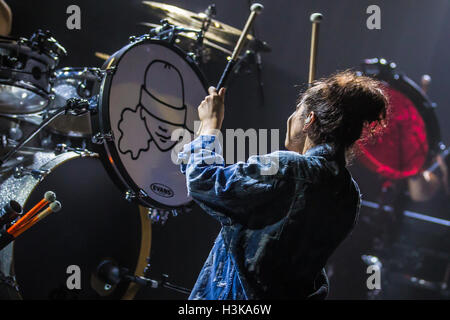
x=161, y=215
x=158, y=215
x=20, y=172
x=111, y=70
x=142, y=194
x=100, y=138
x=62, y=148
x=130, y=195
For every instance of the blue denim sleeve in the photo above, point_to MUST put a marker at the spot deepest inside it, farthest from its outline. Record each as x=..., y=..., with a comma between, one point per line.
x=225, y=191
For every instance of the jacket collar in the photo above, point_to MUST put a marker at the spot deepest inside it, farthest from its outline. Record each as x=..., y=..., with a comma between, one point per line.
x=328, y=151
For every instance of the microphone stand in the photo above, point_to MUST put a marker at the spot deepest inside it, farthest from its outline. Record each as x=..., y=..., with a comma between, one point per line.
x=110, y=272
x=154, y=284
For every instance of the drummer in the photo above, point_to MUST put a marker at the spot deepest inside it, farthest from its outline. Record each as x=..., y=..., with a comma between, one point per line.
x=279, y=230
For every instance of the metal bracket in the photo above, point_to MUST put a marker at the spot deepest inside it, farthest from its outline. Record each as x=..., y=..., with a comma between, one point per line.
x=130, y=195
x=20, y=172
x=161, y=216
x=62, y=148
x=100, y=138
x=111, y=70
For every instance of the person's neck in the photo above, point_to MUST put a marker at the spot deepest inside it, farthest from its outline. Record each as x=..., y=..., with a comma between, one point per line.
x=308, y=145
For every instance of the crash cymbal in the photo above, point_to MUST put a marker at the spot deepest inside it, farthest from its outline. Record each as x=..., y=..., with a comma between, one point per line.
x=218, y=32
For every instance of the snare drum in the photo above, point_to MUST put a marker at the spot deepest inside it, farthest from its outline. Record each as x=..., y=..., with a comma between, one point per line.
x=151, y=88
x=26, y=67
x=95, y=223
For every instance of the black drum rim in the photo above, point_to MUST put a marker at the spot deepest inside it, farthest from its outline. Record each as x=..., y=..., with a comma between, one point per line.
x=101, y=124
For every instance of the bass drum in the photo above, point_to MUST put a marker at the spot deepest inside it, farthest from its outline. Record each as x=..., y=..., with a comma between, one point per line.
x=412, y=136
x=151, y=90
x=95, y=223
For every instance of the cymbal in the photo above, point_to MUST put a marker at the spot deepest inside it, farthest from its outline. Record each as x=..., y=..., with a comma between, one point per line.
x=218, y=32
x=192, y=36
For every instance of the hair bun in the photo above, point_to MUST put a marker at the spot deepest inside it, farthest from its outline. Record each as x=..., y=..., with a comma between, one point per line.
x=360, y=96
x=343, y=103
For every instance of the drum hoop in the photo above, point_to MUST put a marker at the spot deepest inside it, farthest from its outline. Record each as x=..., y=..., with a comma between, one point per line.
x=115, y=167
x=146, y=231
x=422, y=103
x=27, y=86
x=73, y=72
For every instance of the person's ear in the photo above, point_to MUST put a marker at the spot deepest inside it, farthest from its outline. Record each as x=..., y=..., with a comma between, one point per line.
x=309, y=120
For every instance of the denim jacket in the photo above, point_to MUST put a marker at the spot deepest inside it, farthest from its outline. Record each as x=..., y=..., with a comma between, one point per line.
x=279, y=227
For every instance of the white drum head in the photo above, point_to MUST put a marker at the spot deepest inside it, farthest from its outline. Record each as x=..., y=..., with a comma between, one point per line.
x=154, y=91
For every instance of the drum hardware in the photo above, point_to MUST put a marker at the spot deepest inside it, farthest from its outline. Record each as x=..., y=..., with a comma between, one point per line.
x=62, y=148
x=218, y=32
x=21, y=171
x=160, y=215
x=166, y=32
x=101, y=138
x=44, y=42
x=112, y=274
x=444, y=154
x=210, y=12
x=10, y=211
x=73, y=106
x=406, y=213
x=130, y=195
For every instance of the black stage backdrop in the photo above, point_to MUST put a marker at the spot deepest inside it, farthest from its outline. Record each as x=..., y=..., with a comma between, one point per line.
x=414, y=34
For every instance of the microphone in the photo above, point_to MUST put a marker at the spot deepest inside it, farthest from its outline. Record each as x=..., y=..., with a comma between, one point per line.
x=109, y=272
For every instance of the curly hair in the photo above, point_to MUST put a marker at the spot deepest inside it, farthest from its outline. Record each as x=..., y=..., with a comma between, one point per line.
x=343, y=104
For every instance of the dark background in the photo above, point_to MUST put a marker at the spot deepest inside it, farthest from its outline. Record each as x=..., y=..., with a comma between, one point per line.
x=414, y=34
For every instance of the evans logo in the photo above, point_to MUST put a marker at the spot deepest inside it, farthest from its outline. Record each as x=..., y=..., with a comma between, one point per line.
x=161, y=190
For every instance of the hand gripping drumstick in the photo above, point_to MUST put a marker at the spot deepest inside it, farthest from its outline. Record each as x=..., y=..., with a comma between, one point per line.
x=315, y=18
x=255, y=9
x=49, y=196
x=53, y=207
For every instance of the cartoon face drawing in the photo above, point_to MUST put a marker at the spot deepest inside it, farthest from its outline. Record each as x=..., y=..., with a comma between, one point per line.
x=161, y=109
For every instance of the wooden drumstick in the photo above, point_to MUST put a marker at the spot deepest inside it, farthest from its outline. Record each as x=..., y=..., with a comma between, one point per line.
x=49, y=196
x=315, y=18
x=425, y=81
x=255, y=9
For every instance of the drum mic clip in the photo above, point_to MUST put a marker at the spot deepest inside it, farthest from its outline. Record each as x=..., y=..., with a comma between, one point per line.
x=110, y=273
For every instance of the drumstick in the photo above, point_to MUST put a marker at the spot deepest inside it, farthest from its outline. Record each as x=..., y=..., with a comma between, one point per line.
x=255, y=9
x=53, y=207
x=315, y=18
x=425, y=81
x=49, y=196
